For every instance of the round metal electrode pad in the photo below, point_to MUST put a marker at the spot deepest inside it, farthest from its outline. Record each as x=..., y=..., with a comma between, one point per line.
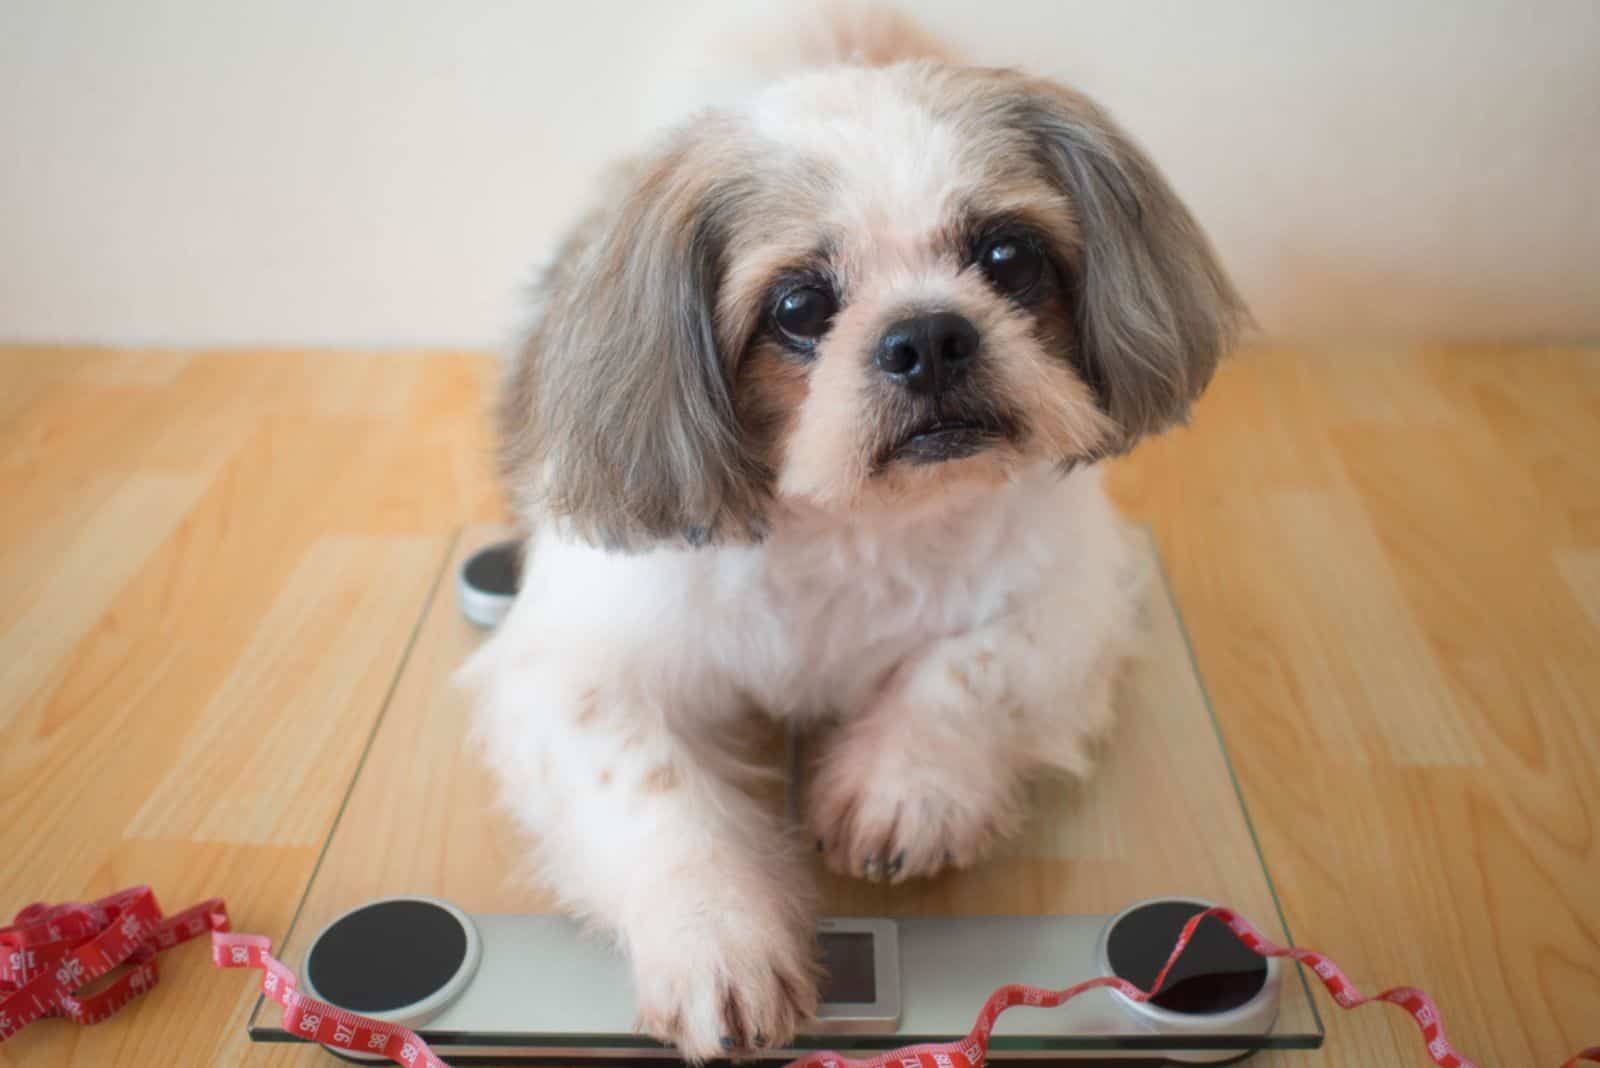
x=400, y=959
x=488, y=582
x=1218, y=986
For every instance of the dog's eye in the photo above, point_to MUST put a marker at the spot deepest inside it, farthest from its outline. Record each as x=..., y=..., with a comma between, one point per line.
x=803, y=314
x=1012, y=263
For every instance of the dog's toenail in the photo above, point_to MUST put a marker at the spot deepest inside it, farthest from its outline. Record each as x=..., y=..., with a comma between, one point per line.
x=897, y=863
x=819, y=845
x=726, y=1041
x=870, y=868
x=761, y=1038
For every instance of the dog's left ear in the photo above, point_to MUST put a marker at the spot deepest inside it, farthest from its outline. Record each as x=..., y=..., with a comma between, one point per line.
x=1154, y=309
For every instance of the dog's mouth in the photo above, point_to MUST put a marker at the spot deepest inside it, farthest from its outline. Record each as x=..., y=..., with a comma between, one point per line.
x=941, y=439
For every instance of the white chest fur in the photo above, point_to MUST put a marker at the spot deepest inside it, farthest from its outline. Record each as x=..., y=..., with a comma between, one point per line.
x=810, y=621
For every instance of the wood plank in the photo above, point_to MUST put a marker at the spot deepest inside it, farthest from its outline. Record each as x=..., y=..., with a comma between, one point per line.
x=45, y=611
x=252, y=772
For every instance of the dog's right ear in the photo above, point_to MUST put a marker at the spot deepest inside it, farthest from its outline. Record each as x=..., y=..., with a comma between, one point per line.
x=617, y=414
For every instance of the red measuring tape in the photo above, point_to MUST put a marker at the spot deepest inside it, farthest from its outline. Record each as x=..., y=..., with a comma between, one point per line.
x=52, y=953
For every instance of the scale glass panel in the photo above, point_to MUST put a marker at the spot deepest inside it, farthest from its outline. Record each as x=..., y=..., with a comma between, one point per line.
x=1162, y=818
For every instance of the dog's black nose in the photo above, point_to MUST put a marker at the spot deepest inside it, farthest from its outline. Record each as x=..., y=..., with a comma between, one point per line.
x=929, y=353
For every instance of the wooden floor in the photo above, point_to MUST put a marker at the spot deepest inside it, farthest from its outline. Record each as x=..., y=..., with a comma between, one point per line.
x=1388, y=561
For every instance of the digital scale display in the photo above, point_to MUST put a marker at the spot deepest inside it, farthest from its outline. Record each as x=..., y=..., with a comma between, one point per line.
x=860, y=960
x=847, y=965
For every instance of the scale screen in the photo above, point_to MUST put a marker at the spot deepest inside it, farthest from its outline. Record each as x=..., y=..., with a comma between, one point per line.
x=847, y=963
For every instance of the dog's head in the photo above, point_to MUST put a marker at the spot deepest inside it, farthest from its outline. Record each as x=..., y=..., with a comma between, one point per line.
x=870, y=286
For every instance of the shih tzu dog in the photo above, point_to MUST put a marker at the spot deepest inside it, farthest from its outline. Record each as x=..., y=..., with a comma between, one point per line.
x=808, y=427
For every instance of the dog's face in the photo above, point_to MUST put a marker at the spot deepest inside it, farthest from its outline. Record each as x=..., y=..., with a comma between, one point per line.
x=871, y=286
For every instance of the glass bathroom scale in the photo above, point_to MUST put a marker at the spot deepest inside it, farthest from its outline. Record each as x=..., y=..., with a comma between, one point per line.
x=421, y=866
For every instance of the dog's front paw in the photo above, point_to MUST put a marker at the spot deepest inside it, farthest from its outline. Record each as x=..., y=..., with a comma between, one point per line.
x=880, y=811
x=724, y=979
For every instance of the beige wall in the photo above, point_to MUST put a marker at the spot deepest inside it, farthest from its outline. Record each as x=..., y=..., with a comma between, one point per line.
x=383, y=172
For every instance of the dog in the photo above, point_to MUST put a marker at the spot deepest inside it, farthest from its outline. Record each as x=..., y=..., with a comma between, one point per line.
x=809, y=425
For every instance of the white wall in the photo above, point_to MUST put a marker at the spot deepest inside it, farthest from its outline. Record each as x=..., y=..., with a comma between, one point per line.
x=377, y=172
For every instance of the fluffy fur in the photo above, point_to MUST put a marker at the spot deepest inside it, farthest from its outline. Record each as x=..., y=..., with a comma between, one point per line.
x=723, y=521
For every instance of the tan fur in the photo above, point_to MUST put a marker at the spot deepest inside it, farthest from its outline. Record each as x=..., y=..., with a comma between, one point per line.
x=770, y=391
x=660, y=779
